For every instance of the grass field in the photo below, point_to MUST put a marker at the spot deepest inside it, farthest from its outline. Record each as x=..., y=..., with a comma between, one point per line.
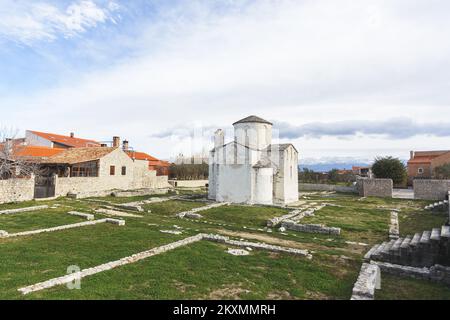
x=205, y=270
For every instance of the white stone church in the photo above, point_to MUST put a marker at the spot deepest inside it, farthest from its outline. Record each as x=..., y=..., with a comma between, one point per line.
x=251, y=169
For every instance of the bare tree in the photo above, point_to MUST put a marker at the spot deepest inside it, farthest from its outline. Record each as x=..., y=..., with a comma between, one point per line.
x=13, y=162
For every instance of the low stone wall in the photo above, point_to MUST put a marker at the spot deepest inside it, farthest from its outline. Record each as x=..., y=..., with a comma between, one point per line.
x=310, y=228
x=83, y=215
x=277, y=220
x=188, y=183
x=84, y=187
x=326, y=187
x=65, y=227
x=437, y=273
x=431, y=189
x=153, y=252
x=368, y=280
x=255, y=245
x=382, y=188
x=26, y=209
x=295, y=216
x=193, y=213
x=108, y=266
x=115, y=213
x=16, y=190
x=139, y=192
x=394, y=229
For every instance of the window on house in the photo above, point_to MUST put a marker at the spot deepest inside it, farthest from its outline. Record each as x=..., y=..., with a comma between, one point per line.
x=420, y=170
x=124, y=171
x=112, y=170
x=87, y=169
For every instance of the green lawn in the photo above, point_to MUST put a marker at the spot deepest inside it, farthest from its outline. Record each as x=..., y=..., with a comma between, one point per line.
x=118, y=200
x=418, y=221
x=204, y=270
x=356, y=223
x=27, y=221
x=395, y=288
x=243, y=216
x=172, y=207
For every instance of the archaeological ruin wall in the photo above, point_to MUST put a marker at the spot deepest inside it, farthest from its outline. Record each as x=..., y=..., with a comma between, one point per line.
x=428, y=189
x=382, y=188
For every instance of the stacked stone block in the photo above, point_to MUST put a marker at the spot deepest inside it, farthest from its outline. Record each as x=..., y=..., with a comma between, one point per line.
x=26, y=209
x=421, y=250
x=310, y=228
x=368, y=280
x=375, y=187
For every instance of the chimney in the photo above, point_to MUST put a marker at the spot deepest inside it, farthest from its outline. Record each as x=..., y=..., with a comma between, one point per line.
x=72, y=134
x=116, y=142
x=411, y=155
x=125, y=145
x=9, y=144
x=219, y=138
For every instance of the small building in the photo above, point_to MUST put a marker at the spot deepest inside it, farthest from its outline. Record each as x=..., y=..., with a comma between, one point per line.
x=161, y=167
x=35, y=171
x=421, y=164
x=251, y=169
x=365, y=172
x=43, y=140
x=94, y=170
x=52, y=140
x=36, y=152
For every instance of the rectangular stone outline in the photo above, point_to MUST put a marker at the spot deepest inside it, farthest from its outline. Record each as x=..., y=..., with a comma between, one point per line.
x=6, y=235
x=193, y=212
x=26, y=209
x=153, y=252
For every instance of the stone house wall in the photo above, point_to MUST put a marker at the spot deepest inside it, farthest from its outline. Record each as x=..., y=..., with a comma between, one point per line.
x=15, y=190
x=137, y=177
x=431, y=189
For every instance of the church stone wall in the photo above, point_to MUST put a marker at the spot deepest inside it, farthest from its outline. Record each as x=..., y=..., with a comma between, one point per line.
x=263, y=186
x=234, y=183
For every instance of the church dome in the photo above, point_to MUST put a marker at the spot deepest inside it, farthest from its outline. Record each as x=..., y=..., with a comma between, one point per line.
x=252, y=119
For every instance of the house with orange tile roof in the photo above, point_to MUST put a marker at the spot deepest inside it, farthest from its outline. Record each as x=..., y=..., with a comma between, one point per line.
x=84, y=170
x=92, y=171
x=53, y=140
x=161, y=167
x=36, y=152
x=421, y=164
x=362, y=171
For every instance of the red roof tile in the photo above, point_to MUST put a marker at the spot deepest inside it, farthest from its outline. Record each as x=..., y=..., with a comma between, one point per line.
x=67, y=140
x=159, y=163
x=152, y=161
x=141, y=156
x=36, y=151
x=421, y=160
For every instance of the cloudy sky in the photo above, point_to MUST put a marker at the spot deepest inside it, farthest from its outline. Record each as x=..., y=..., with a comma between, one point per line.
x=340, y=79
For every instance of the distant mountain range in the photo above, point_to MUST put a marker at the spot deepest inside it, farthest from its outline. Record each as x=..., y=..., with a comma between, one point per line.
x=325, y=167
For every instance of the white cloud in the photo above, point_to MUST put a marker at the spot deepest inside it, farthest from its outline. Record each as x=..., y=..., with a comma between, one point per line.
x=293, y=61
x=26, y=22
